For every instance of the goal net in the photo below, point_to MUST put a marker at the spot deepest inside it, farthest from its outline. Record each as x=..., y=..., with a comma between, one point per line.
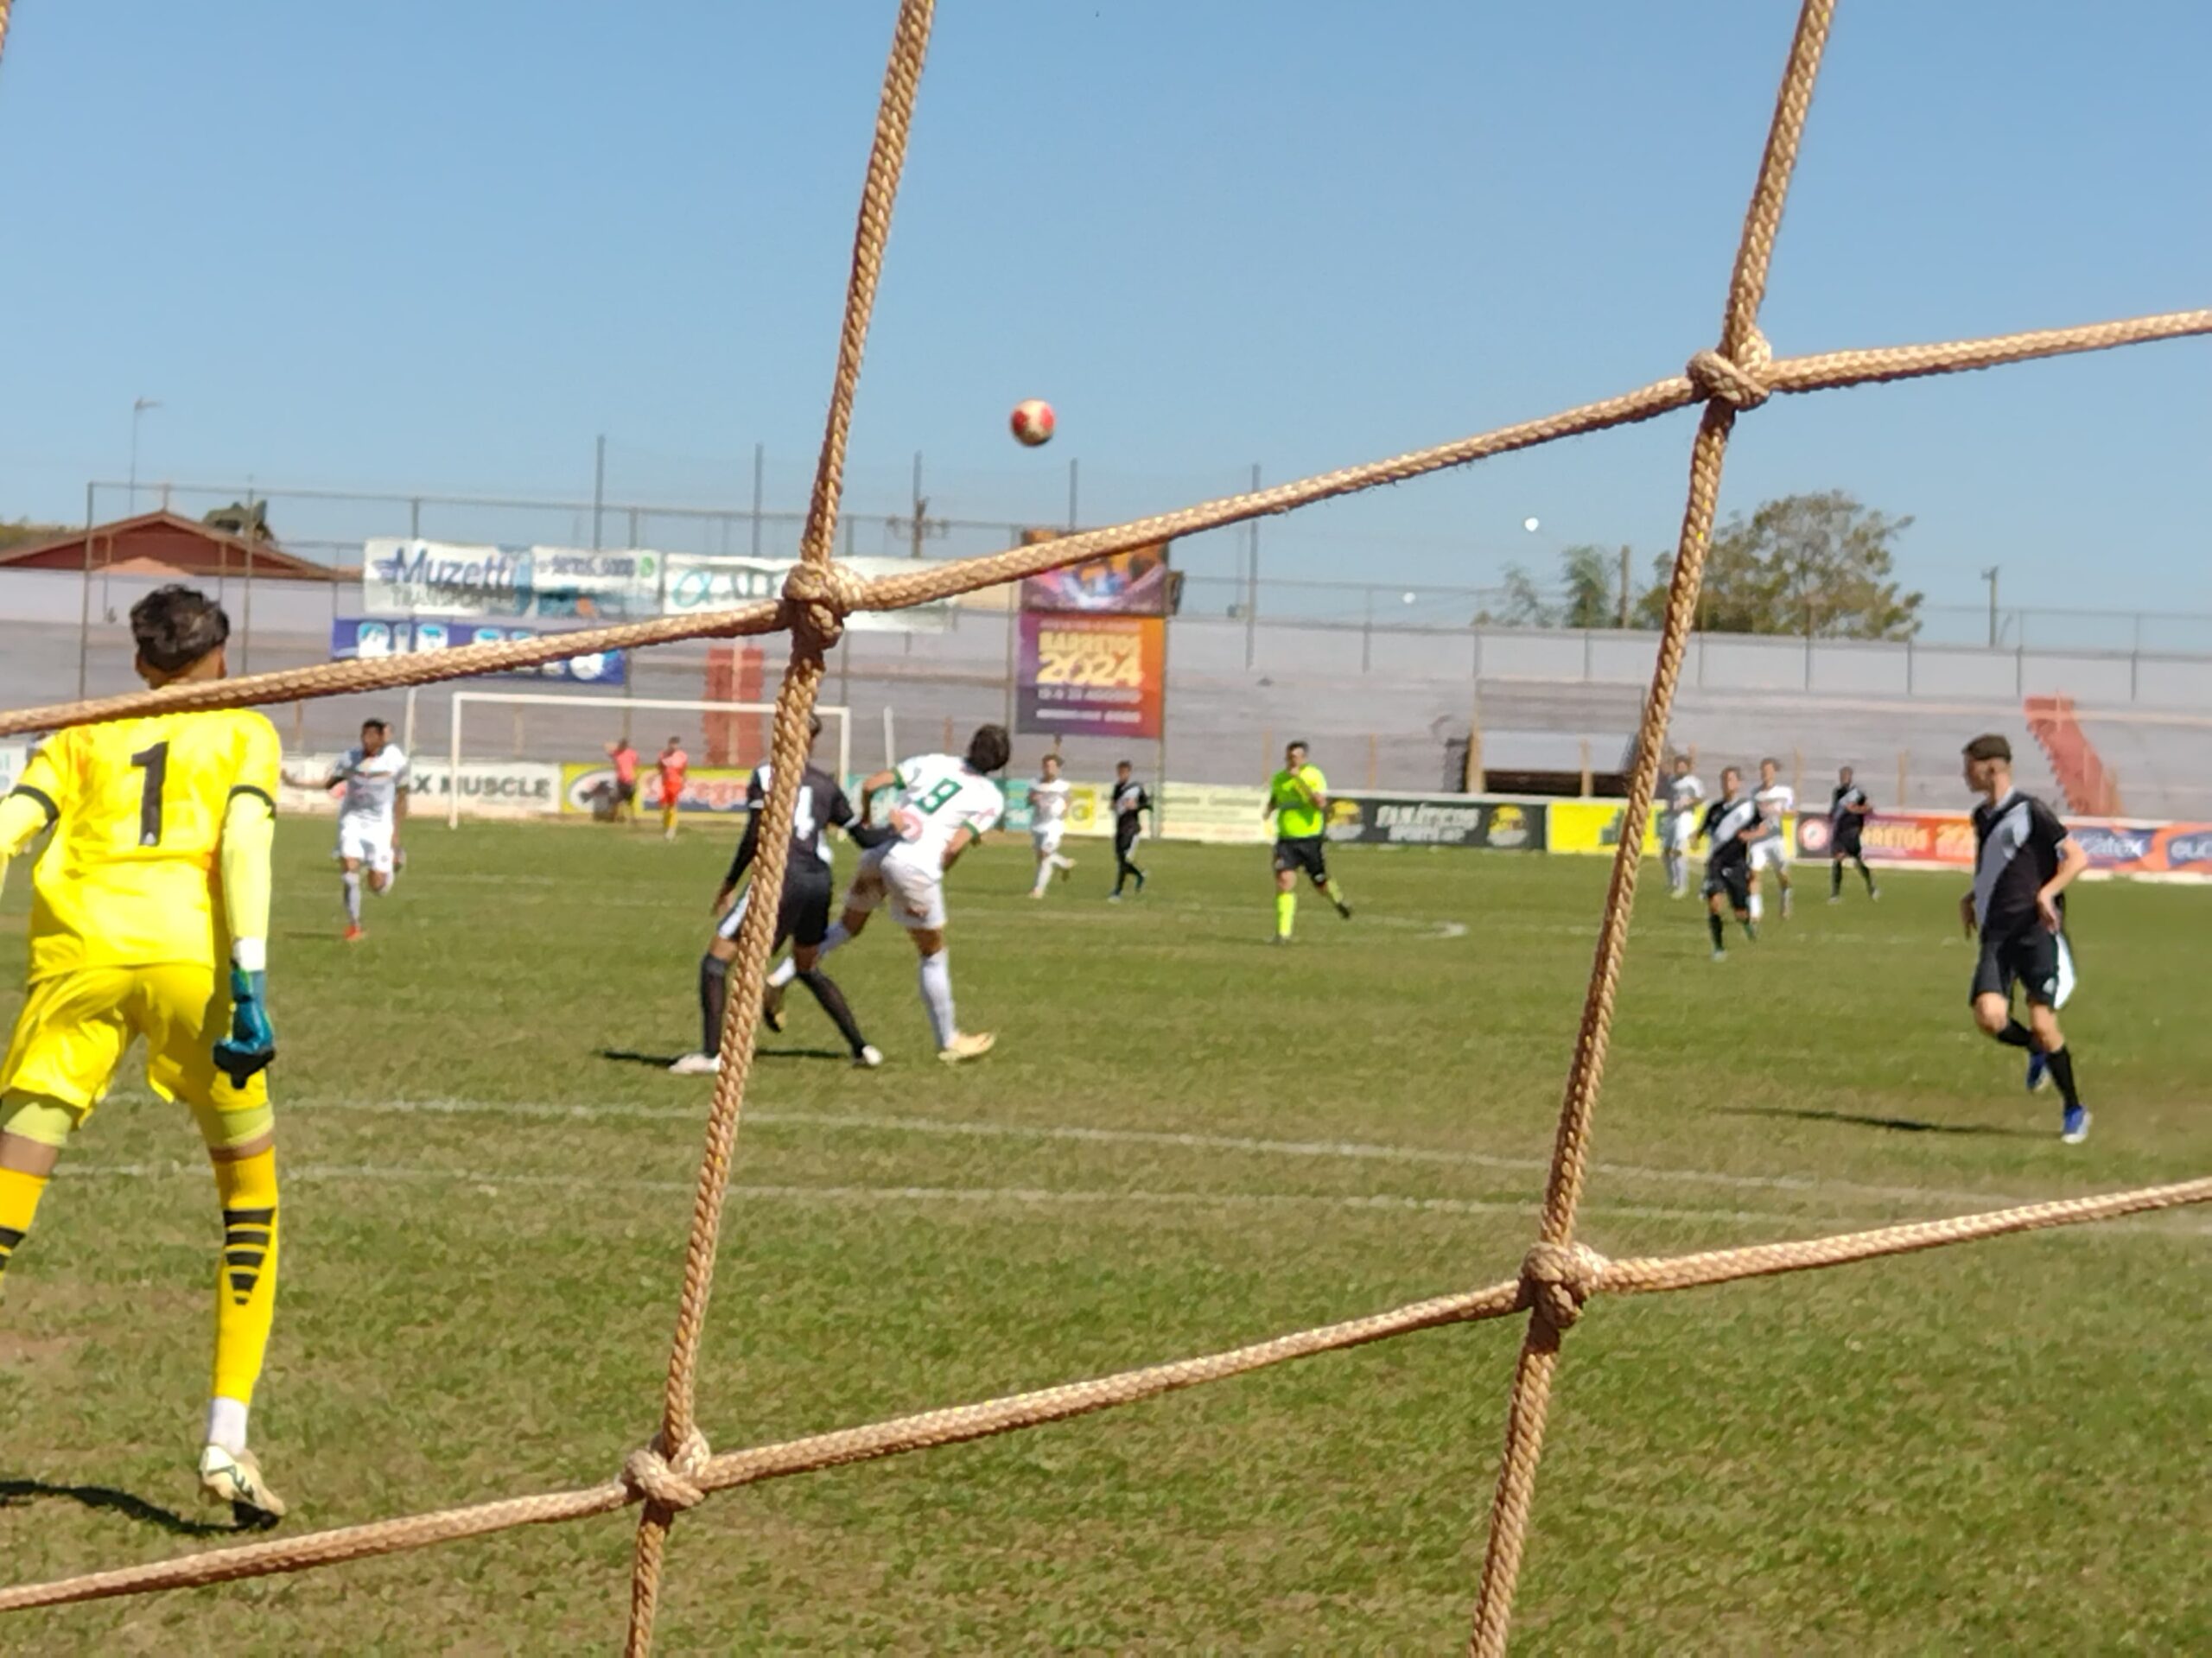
x=490, y=734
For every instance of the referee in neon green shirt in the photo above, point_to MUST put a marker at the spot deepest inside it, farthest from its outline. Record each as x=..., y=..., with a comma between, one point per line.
x=1298, y=799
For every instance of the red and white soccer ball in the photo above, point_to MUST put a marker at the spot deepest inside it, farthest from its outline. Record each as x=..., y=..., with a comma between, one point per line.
x=1033, y=422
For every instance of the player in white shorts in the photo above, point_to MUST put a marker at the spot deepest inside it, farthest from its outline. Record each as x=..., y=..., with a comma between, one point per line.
x=1048, y=821
x=1776, y=800
x=1678, y=824
x=944, y=807
x=374, y=774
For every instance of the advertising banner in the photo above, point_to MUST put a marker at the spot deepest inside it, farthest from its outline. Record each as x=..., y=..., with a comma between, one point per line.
x=1091, y=676
x=693, y=583
x=1945, y=840
x=1438, y=819
x=403, y=577
x=1219, y=814
x=487, y=788
x=1134, y=583
x=415, y=578
x=1595, y=826
x=587, y=787
x=1086, y=813
x=371, y=637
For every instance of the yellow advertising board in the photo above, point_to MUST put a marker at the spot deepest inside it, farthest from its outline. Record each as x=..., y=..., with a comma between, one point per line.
x=1593, y=826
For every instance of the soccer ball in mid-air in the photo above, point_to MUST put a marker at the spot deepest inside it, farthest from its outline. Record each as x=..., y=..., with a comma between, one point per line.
x=1033, y=422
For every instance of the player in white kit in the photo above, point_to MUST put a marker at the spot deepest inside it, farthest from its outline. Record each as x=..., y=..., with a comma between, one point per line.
x=1048, y=821
x=943, y=806
x=1678, y=824
x=374, y=774
x=1775, y=799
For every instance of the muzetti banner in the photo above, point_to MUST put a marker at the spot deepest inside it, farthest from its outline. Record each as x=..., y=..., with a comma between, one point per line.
x=415, y=578
x=1438, y=819
x=1945, y=840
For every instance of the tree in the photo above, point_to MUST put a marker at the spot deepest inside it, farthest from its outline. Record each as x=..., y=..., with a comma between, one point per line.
x=23, y=532
x=240, y=520
x=1816, y=565
x=1592, y=596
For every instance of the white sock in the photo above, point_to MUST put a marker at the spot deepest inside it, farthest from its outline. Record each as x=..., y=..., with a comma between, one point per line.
x=352, y=881
x=937, y=996
x=226, y=1424
x=1757, y=908
x=1058, y=862
x=1044, y=874
x=783, y=973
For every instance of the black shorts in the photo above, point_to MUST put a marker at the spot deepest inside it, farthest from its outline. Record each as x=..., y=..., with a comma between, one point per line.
x=802, y=916
x=2038, y=960
x=1307, y=852
x=1126, y=831
x=1845, y=841
x=1735, y=879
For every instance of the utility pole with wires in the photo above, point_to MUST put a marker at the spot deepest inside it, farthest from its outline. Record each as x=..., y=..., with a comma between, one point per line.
x=1990, y=576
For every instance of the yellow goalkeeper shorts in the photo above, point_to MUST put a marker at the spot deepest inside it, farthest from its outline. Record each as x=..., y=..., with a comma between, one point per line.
x=70, y=1038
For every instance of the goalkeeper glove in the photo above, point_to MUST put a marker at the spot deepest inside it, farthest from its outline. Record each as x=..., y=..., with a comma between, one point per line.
x=252, y=1041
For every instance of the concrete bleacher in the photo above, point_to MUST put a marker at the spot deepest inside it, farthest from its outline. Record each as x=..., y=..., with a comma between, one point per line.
x=1905, y=757
x=2162, y=763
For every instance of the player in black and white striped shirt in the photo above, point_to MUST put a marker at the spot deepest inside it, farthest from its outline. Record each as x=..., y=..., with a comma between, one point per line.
x=1733, y=824
x=2024, y=860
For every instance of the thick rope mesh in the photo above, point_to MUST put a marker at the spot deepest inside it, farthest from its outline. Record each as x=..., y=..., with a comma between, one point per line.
x=677, y=1470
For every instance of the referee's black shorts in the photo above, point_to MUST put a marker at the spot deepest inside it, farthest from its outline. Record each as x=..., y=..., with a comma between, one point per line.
x=1733, y=879
x=2037, y=959
x=1846, y=844
x=801, y=914
x=1305, y=851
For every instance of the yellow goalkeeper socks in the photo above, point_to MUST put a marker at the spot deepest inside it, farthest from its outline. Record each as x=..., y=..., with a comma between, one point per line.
x=1286, y=914
x=19, y=1195
x=245, y=1286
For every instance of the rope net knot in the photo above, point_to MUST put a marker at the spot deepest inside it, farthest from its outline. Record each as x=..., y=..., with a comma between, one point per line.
x=1733, y=380
x=818, y=597
x=672, y=1482
x=1556, y=1278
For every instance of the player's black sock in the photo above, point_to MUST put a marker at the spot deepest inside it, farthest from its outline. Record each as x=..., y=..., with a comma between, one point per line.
x=714, y=994
x=1719, y=938
x=1866, y=874
x=2061, y=1061
x=833, y=1004
x=1750, y=927
x=1835, y=879
x=2015, y=1035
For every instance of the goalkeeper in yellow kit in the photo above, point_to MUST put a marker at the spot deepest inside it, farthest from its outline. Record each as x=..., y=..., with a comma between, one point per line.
x=149, y=917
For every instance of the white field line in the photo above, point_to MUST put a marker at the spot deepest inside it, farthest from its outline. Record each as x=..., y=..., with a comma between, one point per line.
x=490, y=1181
x=1357, y=1151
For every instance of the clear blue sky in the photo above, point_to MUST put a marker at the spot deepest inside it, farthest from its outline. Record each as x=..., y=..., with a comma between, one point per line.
x=440, y=245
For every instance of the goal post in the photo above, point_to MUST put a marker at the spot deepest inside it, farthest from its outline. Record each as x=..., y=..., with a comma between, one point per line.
x=837, y=723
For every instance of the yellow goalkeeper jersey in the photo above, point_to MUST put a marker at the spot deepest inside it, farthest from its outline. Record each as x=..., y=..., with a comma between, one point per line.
x=131, y=877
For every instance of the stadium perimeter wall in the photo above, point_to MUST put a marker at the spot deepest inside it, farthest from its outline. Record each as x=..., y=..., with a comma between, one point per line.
x=575, y=792
x=1382, y=705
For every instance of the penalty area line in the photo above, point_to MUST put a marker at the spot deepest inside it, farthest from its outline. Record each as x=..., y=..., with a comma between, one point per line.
x=1350, y=1151
x=491, y=1181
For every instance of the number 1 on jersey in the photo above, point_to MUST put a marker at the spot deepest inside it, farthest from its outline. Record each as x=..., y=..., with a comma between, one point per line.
x=154, y=762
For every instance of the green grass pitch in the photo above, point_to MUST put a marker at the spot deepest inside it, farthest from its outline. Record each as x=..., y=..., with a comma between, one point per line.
x=1185, y=1140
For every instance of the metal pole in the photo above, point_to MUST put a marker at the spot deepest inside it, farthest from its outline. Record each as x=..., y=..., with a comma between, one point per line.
x=1252, y=580
x=1072, y=482
x=598, y=486
x=1990, y=576
x=1624, y=558
x=415, y=520
x=246, y=629
x=759, y=470
x=85, y=603
x=1159, y=760
x=919, y=506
